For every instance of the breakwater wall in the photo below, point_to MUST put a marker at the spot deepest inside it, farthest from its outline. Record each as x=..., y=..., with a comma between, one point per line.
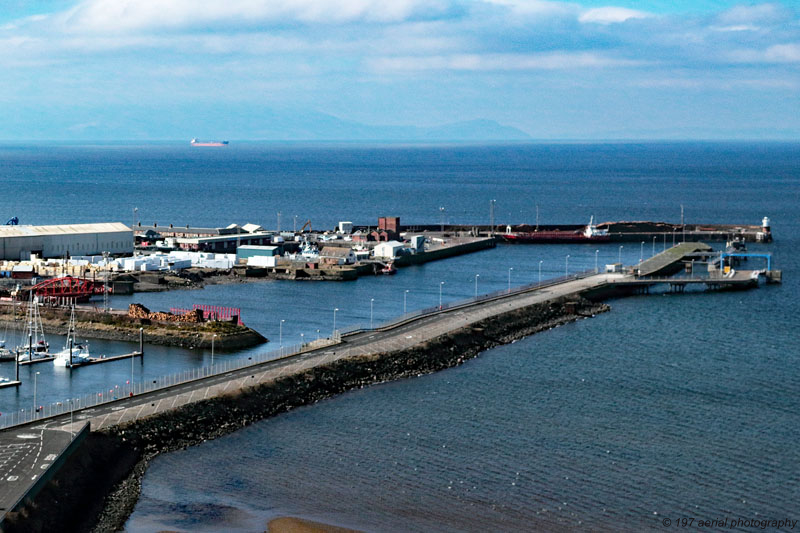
x=138, y=442
x=445, y=252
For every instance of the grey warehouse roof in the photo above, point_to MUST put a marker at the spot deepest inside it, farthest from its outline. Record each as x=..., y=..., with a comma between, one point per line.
x=62, y=229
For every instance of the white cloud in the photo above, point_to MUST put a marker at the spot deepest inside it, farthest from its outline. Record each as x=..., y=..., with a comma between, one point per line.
x=536, y=8
x=736, y=27
x=611, y=15
x=783, y=53
x=747, y=15
x=778, y=53
x=132, y=15
x=491, y=62
x=709, y=82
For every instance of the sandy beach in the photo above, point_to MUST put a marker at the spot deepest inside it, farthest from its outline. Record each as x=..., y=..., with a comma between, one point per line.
x=288, y=524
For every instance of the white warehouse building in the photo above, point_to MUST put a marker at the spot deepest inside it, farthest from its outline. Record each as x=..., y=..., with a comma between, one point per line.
x=18, y=243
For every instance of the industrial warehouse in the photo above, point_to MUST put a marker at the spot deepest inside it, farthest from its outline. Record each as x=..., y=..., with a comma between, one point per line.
x=21, y=243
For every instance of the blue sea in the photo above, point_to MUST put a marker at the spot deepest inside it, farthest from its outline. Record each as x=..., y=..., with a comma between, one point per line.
x=667, y=407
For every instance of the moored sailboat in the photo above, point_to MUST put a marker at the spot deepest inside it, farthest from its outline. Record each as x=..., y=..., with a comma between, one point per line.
x=73, y=354
x=37, y=344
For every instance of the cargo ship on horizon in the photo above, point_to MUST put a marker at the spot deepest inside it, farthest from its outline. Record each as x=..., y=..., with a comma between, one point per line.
x=196, y=142
x=589, y=234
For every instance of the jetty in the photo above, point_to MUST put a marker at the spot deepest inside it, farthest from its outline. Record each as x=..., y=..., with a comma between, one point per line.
x=36, y=360
x=175, y=408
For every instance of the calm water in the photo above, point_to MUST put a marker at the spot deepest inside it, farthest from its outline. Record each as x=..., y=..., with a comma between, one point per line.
x=680, y=406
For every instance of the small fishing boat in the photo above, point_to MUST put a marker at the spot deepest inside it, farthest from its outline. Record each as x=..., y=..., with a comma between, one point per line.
x=388, y=269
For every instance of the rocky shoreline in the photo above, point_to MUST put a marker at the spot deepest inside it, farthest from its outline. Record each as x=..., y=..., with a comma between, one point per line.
x=215, y=417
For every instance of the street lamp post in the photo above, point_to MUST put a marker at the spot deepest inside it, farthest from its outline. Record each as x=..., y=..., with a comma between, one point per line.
x=317, y=334
x=509, y=278
x=280, y=336
x=371, y=302
x=302, y=342
x=641, y=252
x=334, y=321
x=540, y=271
x=441, y=283
x=619, y=257
x=135, y=210
x=566, y=266
x=654, y=245
x=213, y=337
x=441, y=213
x=476, y=284
x=405, y=300
x=132, y=359
x=35, y=410
x=595, y=261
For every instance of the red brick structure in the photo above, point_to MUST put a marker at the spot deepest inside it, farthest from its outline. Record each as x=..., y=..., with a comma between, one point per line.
x=391, y=228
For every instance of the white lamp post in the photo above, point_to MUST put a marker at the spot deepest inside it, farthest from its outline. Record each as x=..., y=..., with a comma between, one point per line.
x=566, y=266
x=641, y=252
x=280, y=336
x=213, y=338
x=35, y=410
x=371, y=302
x=654, y=245
x=595, y=261
x=334, y=320
x=540, y=271
x=441, y=283
x=132, y=359
x=619, y=259
x=476, y=284
x=509, y=278
x=405, y=298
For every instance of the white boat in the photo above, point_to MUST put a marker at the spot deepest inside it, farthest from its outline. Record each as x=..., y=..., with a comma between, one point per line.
x=5, y=353
x=73, y=354
x=37, y=345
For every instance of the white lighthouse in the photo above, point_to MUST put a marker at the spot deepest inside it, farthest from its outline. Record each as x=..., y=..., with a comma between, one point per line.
x=766, y=231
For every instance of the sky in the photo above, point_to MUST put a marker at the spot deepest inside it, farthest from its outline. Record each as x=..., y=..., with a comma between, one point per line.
x=251, y=69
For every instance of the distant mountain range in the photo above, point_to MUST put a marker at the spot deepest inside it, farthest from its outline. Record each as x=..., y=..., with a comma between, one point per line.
x=238, y=122
x=336, y=129
x=313, y=126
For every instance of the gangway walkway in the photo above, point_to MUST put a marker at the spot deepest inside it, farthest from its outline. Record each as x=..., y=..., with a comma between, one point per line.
x=669, y=261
